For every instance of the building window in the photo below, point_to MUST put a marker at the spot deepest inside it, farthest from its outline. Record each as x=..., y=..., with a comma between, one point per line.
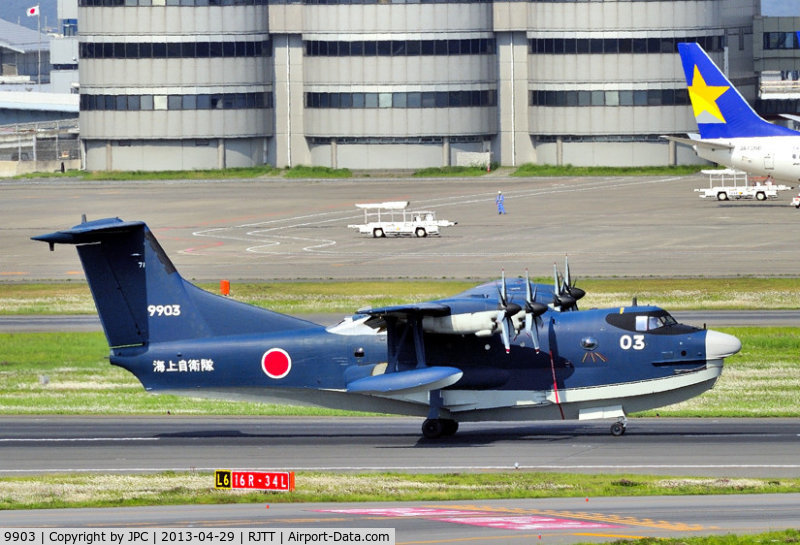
x=623, y=97
x=781, y=40
x=185, y=3
x=613, y=46
x=427, y=99
x=183, y=50
x=221, y=101
x=69, y=27
x=395, y=48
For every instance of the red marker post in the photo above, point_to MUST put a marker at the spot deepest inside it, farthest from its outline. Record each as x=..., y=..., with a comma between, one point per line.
x=282, y=481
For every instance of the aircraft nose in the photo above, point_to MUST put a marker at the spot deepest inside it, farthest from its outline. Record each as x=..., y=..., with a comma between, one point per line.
x=721, y=345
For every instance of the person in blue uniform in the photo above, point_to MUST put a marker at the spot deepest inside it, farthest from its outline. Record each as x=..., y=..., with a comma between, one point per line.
x=500, y=201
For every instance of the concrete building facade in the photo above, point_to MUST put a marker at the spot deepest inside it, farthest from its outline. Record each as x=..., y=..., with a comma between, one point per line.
x=177, y=84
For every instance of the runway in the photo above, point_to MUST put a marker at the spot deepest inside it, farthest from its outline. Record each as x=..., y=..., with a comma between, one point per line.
x=699, y=447
x=277, y=229
x=733, y=448
x=555, y=521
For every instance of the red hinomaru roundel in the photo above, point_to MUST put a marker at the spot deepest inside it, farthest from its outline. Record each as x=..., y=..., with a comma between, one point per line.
x=276, y=363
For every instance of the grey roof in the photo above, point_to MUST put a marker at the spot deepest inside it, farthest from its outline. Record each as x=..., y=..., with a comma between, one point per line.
x=47, y=102
x=21, y=39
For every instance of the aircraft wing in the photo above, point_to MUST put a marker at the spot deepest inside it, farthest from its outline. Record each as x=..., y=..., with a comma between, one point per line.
x=710, y=144
x=379, y=315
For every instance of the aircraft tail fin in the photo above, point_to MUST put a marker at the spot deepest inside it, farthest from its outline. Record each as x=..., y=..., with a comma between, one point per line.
x=140, y=296
x=719, y=109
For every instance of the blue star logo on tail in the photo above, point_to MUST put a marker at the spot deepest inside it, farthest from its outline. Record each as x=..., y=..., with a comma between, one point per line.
x=704, y=99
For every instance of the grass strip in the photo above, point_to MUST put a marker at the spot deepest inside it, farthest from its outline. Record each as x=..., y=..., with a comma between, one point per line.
x=303, y=171
x=133, y=175
x=68, y=373
x=529, y=169
x=346, y=297
x=772, y=538
x=450, y=172
x=172, y=488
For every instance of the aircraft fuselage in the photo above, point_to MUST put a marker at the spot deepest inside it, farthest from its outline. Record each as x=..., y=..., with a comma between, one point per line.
x=588, y=359
x=775, y=156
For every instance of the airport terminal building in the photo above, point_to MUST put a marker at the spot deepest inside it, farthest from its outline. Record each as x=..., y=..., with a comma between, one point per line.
x=190, y=84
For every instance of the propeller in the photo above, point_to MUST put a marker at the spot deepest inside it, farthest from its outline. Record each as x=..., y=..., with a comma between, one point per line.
x=533, y=311
x=565, y=293
x=505, y=310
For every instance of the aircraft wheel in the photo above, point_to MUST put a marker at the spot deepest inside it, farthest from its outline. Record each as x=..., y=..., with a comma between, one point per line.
x=617, y=429
x=433, y=428
x=450, y=427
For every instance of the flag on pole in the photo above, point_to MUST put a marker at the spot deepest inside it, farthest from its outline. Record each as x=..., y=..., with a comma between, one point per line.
x=34, y=11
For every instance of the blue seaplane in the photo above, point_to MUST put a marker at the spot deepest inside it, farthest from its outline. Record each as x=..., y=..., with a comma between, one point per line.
x=504, y=350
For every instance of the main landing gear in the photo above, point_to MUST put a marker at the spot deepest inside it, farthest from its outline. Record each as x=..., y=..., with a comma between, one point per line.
x=619, y=427
x=433, y=428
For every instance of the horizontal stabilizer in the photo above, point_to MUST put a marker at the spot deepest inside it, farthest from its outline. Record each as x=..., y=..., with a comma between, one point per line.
x=404, y=382
x=791, y=117
x=709, y=144
x=92, y=231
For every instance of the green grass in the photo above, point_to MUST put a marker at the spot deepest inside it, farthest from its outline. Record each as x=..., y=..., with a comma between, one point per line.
x=68, y=373
x=302, y=171
x=444, y=172
x=347, y=297
x=529, y=169
x=170, y=488
x=119, y=175
x=771, y=538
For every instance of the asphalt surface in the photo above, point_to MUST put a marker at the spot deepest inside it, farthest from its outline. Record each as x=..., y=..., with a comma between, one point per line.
x=556, y=521
x=277, y=229
x=699, y=447
x=729, y=451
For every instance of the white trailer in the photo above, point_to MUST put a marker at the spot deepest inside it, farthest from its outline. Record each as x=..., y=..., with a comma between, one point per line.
x=394, y=218
x=729, y=184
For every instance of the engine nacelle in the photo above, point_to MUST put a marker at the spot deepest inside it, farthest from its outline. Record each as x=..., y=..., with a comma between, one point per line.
x=480, y=324
x=471, y=323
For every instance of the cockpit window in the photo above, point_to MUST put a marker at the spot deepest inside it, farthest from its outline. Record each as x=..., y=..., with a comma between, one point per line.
x=649, y=322
x=642, y=321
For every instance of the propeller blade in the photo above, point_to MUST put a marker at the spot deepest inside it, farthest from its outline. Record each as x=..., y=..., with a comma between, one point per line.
x=556, y=282
x=501, y=323
x=530, y=319
x=528, y=296
x=566, y=296
x=532, y=312
x=504, y=294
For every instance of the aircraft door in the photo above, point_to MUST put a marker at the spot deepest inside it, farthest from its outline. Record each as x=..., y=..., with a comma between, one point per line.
x=769, y=161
